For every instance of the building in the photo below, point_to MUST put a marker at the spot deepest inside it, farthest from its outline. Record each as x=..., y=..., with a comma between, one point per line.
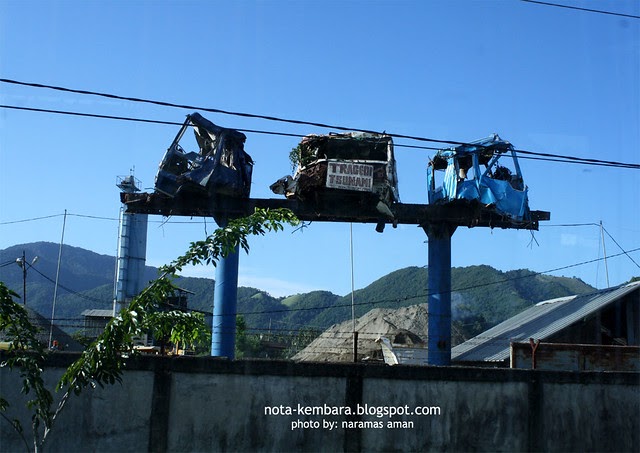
x=95, y=321
x=602, y=327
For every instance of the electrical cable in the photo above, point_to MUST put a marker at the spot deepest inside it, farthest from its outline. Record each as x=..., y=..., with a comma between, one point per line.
x=71, y=291
x=620, y=247
x=265, y=117
x=611, y=13
x=214, y=110
x=111, y=219
x=427, y=294
x=371, y=303
x=582, y=160
x=528, y=154
x=396, y=300
x=572, y=225
x=31, y=219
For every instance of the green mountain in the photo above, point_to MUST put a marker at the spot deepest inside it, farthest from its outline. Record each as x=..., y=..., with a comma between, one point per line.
x=481, y=296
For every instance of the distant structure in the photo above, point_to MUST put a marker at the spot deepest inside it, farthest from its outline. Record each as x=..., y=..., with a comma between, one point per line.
x=132, y=249
x=597, y=331
x=95, y=321
x=333, y=185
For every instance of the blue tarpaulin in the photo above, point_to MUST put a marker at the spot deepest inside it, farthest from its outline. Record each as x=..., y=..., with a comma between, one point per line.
x=495, y=186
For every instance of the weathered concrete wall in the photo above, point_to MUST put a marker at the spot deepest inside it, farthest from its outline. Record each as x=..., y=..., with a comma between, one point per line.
x=204, y=404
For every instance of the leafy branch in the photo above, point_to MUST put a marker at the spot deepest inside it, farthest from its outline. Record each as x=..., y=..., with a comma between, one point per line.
x=301, y=156
x=103, y=362
x=27, y=354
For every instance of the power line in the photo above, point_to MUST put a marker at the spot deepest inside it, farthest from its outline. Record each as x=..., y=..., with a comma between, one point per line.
x=206, y=109
x=406, y=298
x=531, y=155
x=605, y=230
x=247, y=115
x=31, y=219
x=582, y=160
x=376, y=302
x=611, y=13
x=139, y=120
x=396, y=300
x=620, y=247
x=92, y=217
x=572, y=225
x=71, y=291
x=331, y=306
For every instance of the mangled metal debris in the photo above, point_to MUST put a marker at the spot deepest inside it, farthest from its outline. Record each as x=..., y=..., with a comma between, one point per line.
x=219, y=167
x=409, y=351
x=353, y=168
x=494, y=185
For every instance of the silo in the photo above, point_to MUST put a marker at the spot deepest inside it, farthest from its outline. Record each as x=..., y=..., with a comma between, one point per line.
x=132, y=250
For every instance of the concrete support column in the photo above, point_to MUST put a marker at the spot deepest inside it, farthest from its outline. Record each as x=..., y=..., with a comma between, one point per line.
x=439, y=301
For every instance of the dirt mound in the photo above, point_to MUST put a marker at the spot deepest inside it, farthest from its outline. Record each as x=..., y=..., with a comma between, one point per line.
x=406, y=325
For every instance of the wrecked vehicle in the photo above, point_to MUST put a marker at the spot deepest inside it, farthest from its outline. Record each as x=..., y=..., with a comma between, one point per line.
x=219, y=167
x=350, y=168
x=474, y=172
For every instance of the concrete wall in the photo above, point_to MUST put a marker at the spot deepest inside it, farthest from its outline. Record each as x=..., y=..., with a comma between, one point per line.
x=205, y=404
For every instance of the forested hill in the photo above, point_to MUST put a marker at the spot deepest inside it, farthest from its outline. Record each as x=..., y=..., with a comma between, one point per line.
x=481, y=294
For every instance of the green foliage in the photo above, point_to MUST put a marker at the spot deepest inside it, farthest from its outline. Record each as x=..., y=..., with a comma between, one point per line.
x=186, y=329
x=259, y=308
x=300, y=156
x=300, y=339
x=289, y=342
x=27, y=354
x=466, y=328
x=247, y=345
x=305, y=308
x=81, y=337
x=102, y=363
x=235, y=235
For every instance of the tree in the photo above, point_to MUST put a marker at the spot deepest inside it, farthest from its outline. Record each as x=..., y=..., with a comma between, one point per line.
x=179, y=328
x=247, y=345
x=103, y=361
x=27, y=355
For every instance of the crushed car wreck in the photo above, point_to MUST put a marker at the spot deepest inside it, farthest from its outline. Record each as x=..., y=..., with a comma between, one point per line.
x=352, y=169
x=495, y=186
x=220, y=167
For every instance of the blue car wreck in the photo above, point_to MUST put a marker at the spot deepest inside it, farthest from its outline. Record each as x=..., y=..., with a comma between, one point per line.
x=474, y=173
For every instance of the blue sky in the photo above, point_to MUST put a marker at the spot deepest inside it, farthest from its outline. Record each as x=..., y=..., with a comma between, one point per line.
x=547, y=79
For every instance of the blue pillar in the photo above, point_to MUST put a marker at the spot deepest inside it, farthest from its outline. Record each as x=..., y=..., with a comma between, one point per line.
x=225, y=301
x=439, y=301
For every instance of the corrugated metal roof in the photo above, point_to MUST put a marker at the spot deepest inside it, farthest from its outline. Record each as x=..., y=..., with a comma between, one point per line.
x=540, y=322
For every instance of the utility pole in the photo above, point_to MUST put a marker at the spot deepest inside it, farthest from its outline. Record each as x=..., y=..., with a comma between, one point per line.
x=22, y=262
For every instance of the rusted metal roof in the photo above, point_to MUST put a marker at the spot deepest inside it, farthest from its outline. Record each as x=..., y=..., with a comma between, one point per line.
x=539, y=322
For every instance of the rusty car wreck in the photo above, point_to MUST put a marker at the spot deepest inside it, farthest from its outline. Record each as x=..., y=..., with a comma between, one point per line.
x=220, y=167
x=494, y=185
x=353, y=169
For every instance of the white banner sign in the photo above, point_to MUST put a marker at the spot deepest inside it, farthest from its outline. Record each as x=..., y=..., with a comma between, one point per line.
x=341, y=175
